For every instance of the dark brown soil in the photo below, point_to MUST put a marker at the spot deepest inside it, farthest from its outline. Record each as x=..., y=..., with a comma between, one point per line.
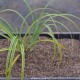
x=38, y=61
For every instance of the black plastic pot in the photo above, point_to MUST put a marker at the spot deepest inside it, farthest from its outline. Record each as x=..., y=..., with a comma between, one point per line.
x=75, y=35
x=60, y=35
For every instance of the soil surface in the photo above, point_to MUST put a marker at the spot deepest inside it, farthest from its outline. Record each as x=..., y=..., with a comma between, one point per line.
x=39, y=61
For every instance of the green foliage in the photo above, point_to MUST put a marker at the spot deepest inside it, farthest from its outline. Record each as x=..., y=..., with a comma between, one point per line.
x=17, y=43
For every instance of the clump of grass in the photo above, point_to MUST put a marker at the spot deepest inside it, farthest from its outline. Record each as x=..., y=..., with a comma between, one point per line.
x=17, y=43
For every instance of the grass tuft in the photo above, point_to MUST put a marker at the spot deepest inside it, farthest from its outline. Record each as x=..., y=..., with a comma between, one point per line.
x=17, y=43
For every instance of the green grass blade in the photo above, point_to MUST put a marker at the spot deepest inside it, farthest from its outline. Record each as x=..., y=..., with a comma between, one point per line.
x=11, y=28
x=10, y=10
x=65, y=16
x=45, y=40
x=55, y=42
x=9, y=54
x=4, y=49
x=60, y=52
x=1, y=34
x=35, y=11
x=23, y=61
x=39, y=18
x=71, y=22
x=16, y=58
x=6, y=30
x=28, y=5
x=28, y=31
x=12, y=57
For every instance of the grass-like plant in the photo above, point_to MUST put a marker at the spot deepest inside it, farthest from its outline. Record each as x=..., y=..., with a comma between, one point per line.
x=29, y=40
